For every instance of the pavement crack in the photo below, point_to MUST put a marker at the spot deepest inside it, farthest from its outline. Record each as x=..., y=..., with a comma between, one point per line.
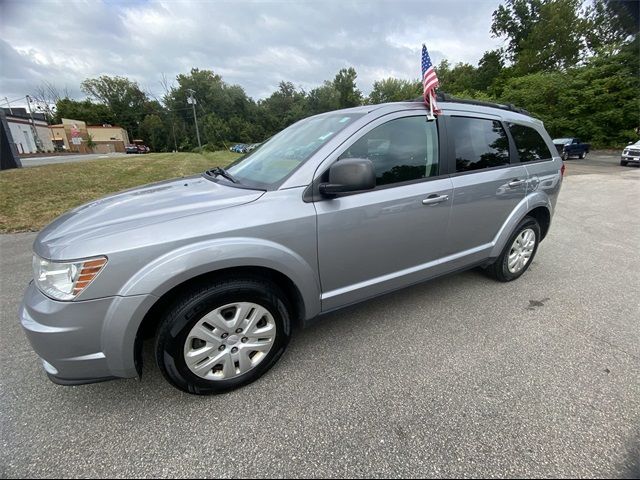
x=595, y=337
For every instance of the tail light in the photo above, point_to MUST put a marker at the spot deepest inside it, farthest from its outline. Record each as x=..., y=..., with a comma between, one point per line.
x=562, y=169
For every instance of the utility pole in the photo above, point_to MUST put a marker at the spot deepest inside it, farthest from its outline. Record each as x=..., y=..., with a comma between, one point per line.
x=9, y=105
x=173, y=129
x=192, y=100
x=33, y=126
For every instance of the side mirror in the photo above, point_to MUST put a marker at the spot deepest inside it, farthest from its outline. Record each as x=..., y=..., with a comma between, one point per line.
x=349, y=175
x=630, y=143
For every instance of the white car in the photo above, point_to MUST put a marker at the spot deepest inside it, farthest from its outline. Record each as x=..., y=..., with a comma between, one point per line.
x=631, y=155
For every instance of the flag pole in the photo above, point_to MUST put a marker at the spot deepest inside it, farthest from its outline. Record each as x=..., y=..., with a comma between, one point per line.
x=430, y=116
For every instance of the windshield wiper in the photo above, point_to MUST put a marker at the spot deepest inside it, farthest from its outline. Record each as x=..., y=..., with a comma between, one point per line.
x=223, y=173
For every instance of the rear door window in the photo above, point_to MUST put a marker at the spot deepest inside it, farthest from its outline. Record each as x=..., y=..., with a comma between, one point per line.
x=529, y=143
x=478, y=143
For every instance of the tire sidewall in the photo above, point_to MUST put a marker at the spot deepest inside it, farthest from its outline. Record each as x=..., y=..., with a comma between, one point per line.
x=176, y=328
x=527, y=222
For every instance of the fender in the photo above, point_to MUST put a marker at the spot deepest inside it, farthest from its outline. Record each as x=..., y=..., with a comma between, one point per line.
x=533, y=200
x=145, y=287
x=187, y=262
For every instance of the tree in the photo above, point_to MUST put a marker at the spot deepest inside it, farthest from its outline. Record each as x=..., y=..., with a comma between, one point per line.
x=394, y=90
x=542, y=35
x=461, y=78
x=154, y=133
x=85, y=110
x=345, y=85
x=323, y=99
x=123, y=97
x=597, y=101
x=611, y=24
x=214, y=97
x=283, y=107
x=489, y=69
x=46, y=96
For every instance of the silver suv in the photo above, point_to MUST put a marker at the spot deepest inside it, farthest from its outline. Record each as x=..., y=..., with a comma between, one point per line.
x=219, y=268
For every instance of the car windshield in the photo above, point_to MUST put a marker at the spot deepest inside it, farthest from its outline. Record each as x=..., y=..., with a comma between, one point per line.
x=275, y=159
x=562, y=140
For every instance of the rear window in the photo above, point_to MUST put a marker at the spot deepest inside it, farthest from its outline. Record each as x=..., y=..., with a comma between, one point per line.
x=478, y=143
x=530, y=144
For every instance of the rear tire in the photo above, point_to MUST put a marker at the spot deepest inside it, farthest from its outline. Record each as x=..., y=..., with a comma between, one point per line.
x=518, y=253
x=583, y=155
x=222, y=354
x=565, y=157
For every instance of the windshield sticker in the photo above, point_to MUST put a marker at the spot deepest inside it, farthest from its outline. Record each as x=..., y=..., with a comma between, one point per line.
x=324, y=137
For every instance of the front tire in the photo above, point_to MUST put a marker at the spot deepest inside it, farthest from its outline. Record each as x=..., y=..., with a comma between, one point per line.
x=518, y=253
x=583, y=155
x=223, y=335
x=623, y=163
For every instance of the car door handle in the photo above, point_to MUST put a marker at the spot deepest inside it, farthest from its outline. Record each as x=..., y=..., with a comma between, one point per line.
x=434, y=199
x=516, y=183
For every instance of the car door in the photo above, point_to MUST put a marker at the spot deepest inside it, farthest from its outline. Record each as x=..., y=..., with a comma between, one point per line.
x=374, y=241
x=487, y=185
x=574, y=148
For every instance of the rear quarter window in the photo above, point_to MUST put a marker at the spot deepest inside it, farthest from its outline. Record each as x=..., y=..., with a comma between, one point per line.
x=529, y=143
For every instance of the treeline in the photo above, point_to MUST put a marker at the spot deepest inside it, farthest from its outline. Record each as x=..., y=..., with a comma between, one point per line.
x=572, y=63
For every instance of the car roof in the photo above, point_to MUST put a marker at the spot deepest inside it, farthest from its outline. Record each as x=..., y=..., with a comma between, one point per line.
x=506, y=112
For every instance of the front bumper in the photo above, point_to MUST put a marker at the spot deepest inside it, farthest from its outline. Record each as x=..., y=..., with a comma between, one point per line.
x=630, y=159
x=83, y=341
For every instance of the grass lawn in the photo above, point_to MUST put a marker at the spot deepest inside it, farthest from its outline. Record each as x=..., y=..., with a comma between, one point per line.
x=32, y=197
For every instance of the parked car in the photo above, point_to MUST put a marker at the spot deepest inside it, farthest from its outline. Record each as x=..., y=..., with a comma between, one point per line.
x=571, y=147
x=239, y=148
x=220, y=267
x=251, y=147
x=143, y=148
x=631, y=155
x=131, y=149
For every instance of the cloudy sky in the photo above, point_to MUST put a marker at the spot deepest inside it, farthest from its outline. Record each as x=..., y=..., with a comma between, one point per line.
x=253, y=43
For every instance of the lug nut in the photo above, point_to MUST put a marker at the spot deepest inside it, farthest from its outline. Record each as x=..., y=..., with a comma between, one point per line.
x=224, y=335
x=238, y=330
x=245, y=339
x=221, y=347
x=234, y=350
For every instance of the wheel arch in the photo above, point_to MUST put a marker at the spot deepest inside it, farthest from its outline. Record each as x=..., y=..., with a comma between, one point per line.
x=543, y=216
x=161, y=280
x=151, y=320
x=538, y=206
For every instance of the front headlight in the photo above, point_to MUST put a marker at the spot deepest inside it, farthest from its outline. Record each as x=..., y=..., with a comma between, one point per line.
x=65, y=280
x=625, y=151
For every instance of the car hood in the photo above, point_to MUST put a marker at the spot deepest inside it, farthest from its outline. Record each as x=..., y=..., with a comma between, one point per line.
x=138, y=207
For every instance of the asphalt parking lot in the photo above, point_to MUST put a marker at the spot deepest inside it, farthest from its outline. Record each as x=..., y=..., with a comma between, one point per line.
x=458, y=377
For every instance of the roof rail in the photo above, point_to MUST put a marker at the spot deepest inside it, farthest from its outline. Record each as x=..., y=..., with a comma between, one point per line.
x=442, y=97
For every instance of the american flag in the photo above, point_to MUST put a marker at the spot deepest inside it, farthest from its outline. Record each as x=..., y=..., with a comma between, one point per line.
x=429, y=81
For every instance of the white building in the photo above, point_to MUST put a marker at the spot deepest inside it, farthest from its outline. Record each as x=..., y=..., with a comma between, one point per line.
x=22, y=131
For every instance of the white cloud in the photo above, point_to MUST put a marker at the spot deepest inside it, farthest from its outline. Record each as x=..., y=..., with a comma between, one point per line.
x=253, y=43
